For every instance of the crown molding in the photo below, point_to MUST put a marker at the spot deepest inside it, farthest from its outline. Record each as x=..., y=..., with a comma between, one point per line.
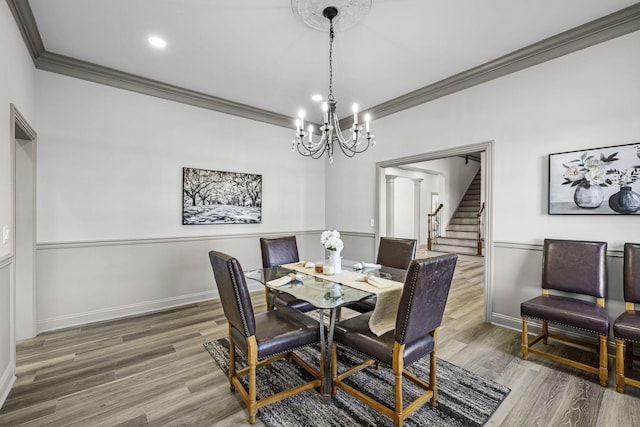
x=608, y=27
x=72, y=67
x=23, y=15
x=614, y=25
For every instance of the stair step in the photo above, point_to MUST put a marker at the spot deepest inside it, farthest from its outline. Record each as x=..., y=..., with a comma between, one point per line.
x=462, y=234
x=457, y=241
x=462, y=227
x=463, y=221
x=465, y=214
x=455, y=249
x=468, y=209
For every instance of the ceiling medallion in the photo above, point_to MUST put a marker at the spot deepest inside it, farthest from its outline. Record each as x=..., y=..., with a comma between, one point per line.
x=351, y=13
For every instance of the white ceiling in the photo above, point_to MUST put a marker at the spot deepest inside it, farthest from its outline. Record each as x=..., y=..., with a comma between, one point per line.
x=257, y=52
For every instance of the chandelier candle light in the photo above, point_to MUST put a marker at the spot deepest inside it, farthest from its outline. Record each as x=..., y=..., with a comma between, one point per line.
x=331, y=133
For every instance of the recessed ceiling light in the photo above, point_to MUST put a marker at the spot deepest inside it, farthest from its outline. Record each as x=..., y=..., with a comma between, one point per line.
x=316, y=97
x=157, y=42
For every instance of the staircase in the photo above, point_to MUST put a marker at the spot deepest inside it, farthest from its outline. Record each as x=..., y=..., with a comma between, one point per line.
x=461, y=234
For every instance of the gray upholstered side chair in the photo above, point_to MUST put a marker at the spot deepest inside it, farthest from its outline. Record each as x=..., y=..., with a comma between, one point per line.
x=573, y=268
x=278, y=251
x=262, y=338
x=626, y=327
x=420, y=312
x=392, y=252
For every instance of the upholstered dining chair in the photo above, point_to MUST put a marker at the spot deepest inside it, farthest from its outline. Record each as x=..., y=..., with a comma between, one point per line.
x=277, y=251
x=573, y=268
x=420, y=312
x=626, y=328
x=392, y=252
x=262, y=338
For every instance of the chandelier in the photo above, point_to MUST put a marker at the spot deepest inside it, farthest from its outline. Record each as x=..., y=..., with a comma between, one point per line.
x=331, y=134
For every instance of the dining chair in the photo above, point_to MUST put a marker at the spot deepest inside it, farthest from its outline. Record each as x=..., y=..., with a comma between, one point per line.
x=626, y=328
x=574, y=268
x=277, y=251
x=420, y=312
x=392, y=252
x=262, y=338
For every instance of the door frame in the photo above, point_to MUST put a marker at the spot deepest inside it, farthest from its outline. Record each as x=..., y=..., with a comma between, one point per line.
x=23, y=291
x=486, y=148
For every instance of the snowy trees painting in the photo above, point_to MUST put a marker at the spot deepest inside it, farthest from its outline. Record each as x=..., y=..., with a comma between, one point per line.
x=216, y=197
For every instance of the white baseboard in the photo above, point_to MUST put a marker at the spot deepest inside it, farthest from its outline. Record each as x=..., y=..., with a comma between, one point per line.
x=6, y=382
x=122, y=311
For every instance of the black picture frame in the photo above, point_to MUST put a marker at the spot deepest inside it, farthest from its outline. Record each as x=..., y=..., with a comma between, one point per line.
x=219, y=197
x=595, y=181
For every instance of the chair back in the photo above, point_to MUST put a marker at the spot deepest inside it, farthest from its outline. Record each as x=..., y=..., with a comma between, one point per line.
x=631, y=272
x=278, y=251
x=424, y=296
x=396, y=253
x=575, y=266
x=234, y=294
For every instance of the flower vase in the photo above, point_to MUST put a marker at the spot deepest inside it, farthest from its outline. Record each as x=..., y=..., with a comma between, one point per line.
x=588, y=196
x=336, y=261
x=625, y=201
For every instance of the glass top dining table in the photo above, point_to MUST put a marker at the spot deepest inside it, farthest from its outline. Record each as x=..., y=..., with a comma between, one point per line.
x=324, y=292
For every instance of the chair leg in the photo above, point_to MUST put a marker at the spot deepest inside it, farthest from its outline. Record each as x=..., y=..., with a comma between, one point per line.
x=545, y=332
x=604, y=361
x=628, y=360
x=620, y=362
x=398, y=367
x=232, y=362
x=432, y=378
x=252, y=349
x=524, y=347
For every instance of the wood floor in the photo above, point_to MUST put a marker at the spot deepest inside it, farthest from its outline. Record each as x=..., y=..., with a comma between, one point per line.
x=153, y=370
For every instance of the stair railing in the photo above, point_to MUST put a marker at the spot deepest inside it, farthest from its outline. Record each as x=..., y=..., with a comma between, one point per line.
x=479, y=252
x=433, y=226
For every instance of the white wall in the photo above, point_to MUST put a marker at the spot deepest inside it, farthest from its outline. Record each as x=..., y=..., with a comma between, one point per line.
x=17, y=87
x=588, y=99
x=110, y=234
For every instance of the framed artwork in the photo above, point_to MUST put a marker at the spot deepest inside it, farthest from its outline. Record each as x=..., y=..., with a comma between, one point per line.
x=217, y=197
x=599, y=181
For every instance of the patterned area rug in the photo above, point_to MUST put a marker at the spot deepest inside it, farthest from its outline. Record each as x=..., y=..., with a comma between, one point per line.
x=464, y=399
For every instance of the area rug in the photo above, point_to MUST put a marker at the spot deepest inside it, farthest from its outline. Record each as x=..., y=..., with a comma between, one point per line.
x=464, y=399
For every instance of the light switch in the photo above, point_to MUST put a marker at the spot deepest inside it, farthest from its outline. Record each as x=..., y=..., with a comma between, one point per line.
x=371, y=222
x=5, y=234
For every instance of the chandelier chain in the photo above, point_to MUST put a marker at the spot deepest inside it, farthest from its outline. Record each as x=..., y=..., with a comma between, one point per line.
x=330, y=60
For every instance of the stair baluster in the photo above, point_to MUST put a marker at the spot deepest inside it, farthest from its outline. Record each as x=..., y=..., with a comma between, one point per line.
x=433, y=226
x=480, y=229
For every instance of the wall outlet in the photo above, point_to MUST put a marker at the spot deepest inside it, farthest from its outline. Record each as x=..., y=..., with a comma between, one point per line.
x=5, y=234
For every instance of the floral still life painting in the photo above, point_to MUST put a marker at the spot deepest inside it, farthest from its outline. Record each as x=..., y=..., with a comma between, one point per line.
x=595, y=182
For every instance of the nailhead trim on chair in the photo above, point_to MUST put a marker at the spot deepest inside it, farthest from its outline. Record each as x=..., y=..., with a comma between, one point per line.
x=568, y=326
x=413, y=281
x=237, y=295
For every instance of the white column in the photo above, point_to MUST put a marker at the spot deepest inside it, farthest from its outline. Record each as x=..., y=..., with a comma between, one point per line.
x=417, y=202
x=391, y=203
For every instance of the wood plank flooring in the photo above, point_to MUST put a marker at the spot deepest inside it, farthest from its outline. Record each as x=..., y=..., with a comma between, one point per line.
x=153, y=370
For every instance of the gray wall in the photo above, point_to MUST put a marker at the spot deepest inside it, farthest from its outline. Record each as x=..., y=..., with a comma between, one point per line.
x=17, y=87
x=587, y=99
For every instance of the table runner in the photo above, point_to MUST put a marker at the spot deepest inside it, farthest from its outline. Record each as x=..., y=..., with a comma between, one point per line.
x=383, y=318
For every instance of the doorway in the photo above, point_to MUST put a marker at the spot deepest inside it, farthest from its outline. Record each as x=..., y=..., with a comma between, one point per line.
x=23, y=152
x=486, y=168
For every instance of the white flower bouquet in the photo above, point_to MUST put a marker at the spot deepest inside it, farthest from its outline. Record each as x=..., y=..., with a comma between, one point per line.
x=331, y=240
